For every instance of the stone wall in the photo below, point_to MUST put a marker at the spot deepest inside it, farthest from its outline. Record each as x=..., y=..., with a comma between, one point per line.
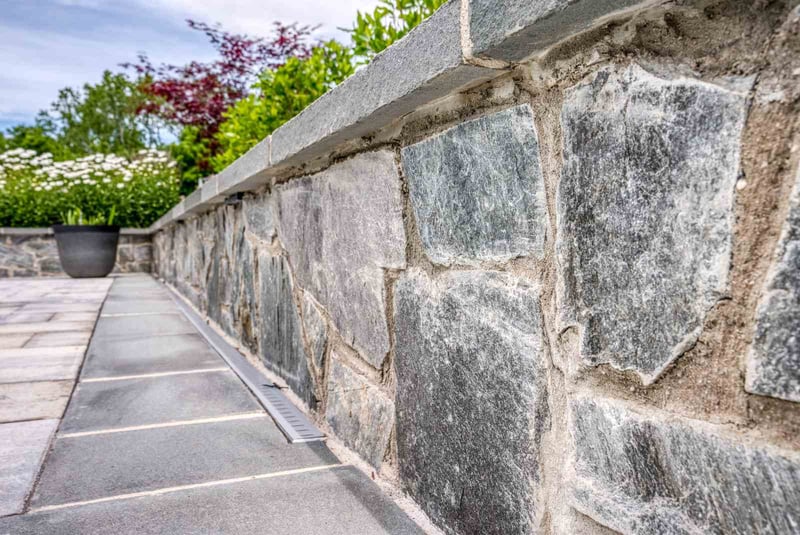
x=561, y=300
x=33, y=253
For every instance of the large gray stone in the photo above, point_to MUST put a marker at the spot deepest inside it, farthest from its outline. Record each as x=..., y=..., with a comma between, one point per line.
x=34, y=401
x=773, y=366
x=513, y=30
x=342, y=228
x=650, y=474
x=359, y=413
x=144, y=326
x=282, y=349
x=315, y=330
x=477, y=190
x=645, y=213
x=259, y=216
x=22, y=448
x=471, y=398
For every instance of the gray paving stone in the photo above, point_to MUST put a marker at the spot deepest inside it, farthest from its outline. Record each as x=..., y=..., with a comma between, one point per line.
x=342, y=227
x=33, y=401
x=477, y=190
x=40, y=364
x=133, y=305
x=337, y=501
x=46, y=327
x=142, y=326
x=26, y=317
x=359, y=413
x=59, y=339
x=645, y=474
x=512, y=30
x=108, y=357
x=150, y=459
x=471, y=398
x=773, y=366
x=22, y=448
x=130, y=402
x=645, y=207
x=10, y=341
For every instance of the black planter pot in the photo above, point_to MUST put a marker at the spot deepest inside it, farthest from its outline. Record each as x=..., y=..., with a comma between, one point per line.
x=87, y=250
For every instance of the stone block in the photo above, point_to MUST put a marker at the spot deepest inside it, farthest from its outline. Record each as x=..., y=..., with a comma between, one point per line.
x=23, y=446
x=282, y=348
x=513, y=30
x=424, y=66
x=471, y=398
x=342, y=227
x=477, y=190
x=773, y=366
x=359, y=413
x=259, y=217
x=315, y=330
x=247, y=172
x=645, y=213
x=34, y=401
x=651, y=474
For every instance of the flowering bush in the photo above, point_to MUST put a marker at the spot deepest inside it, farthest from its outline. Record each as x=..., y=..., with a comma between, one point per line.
x=35, y=190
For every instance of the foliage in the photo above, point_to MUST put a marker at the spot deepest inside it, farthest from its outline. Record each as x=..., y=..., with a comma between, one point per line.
x=389, y=22
x=36, y=191
x=75, y=216
x=196, y=95
x=31, y=137
x=279, y=95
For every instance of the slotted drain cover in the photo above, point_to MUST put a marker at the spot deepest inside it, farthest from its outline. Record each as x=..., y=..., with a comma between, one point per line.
x=291, y=420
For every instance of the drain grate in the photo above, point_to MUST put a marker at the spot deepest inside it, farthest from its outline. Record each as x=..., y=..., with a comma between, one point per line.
x=290, y=420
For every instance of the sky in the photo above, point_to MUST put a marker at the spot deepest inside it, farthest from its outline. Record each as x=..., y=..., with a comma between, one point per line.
x=49, y=44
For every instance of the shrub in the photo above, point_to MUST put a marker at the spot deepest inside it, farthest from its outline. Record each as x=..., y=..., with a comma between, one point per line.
x=35, y=191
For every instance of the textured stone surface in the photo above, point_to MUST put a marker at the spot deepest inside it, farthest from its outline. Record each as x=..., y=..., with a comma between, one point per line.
x=40, y=363
x=477, y=189
x=645, y=207
x=259, y=216
x=512, y=30
x=359, y=413
x=341, y=228
x=773, y=367
x=647, y=475
x=22, y=448
x=471, y=398
x=33, y=401
x=282, y=347
x=316, y=332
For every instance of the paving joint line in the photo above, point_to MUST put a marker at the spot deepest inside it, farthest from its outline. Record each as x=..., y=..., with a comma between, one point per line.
x=166, y=425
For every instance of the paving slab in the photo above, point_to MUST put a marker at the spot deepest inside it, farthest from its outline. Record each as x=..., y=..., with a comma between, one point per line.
x=46, y=327
x=153, y=400
x=59, y=339
x=22, y=447
x=10, y=341
x=25, y=317
x=75, y=316
x=108, y=357
x=336, y=501
x=40, y=363
x=130, y=305
x=58, y=307
x=136, y=461
x=142, y=326
x=33, y=401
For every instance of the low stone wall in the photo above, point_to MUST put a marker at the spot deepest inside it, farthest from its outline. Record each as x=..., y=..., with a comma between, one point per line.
x=563, y=299
x=32, y=252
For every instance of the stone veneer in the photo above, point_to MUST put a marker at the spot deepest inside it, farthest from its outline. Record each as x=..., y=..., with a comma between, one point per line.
x=33, y=253
x=561, y=301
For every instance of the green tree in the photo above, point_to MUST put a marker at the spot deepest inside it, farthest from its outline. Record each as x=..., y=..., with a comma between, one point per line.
x=31, y=137
x=278, y=96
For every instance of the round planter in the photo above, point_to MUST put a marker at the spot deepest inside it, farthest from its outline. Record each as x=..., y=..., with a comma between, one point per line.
x=87, y=250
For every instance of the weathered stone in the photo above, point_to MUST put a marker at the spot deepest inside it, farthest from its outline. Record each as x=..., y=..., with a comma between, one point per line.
x=512, y=30
x=359, y=413
x=342, y=228
x=471, y=398
x=279, y=326
x=247, y=316
x=477, y=190
x=773, y=367
x=23, y=446
x=645, y=213
x=259, y=217
x=315, y=331
x=647, y=475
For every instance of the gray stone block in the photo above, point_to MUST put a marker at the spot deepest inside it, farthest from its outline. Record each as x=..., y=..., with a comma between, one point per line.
x=513, y=30
x=259, y=216
x=471, y=399
x=315, y=330
x=359, y=413
x=645, y=213
x=647, y=474
x=477, y=190
x=247, y=172
x=142, y=326
x=773, y=366
x=432, y=67
x=23, y=446
x=282, y=349
x=342, y=227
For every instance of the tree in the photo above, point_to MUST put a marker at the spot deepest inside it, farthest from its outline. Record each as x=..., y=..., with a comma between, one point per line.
x=36, y=138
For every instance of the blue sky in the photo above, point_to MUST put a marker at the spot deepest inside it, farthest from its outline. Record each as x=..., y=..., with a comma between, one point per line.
x=49, y=44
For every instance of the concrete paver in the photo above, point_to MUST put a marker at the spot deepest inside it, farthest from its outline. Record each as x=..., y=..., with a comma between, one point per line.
x=33, y=401
x=140, y=326
x=59, y=339
x=22, y=448
x=10, y=341
x=40, y=363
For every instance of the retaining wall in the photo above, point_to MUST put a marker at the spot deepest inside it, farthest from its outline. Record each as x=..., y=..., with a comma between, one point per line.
x=32, y=252
x=537, y=264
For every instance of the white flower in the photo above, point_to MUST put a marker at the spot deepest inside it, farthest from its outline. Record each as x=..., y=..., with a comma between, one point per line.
x=38, y=188
x=120, y=185
x=106, y=180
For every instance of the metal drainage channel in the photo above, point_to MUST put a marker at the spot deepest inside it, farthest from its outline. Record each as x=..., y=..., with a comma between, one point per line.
x=290, y=420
